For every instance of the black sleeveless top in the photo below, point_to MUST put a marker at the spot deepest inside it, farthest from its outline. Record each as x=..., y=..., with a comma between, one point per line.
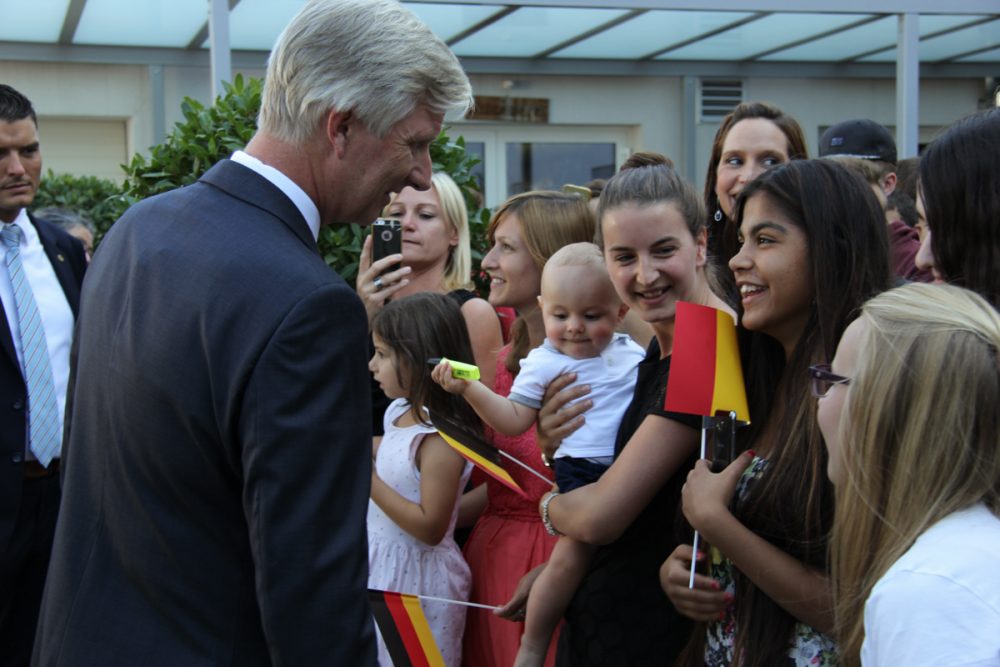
x=620, y=614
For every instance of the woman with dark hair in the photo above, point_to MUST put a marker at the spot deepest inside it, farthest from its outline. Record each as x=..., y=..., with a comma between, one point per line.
x=958, y=204
x=813, y=249
x=652, y=233
x=754, y=137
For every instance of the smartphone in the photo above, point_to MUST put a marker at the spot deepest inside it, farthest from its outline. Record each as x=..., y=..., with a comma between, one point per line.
x=387, y=239
x=722, y=438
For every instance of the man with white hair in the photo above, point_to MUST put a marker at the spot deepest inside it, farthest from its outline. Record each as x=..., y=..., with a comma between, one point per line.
x=218, y=456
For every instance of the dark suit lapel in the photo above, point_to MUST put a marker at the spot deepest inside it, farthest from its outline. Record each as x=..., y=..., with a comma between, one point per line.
x=64, y=272
x=249, y=186
x=60, y=261
x=7, y=340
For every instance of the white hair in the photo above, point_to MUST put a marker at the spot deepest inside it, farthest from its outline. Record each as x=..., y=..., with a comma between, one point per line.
x=372, y=57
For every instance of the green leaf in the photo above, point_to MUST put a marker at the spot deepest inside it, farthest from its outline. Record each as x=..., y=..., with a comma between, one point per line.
x=209, y=134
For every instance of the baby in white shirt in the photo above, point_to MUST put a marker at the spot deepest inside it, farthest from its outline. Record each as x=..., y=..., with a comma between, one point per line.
x=581, y=311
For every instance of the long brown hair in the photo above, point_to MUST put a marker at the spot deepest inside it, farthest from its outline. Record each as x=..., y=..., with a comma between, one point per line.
x=548, y=220
x=791, y=505
x=960, y=188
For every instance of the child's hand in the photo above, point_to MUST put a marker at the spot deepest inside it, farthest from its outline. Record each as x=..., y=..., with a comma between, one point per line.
x=442, y=375
x=704, y=602
x=706, y=495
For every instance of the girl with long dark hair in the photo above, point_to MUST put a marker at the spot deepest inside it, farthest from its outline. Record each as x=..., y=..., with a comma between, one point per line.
x=813, y=248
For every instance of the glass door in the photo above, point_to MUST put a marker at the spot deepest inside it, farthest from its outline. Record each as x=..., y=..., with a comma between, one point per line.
x=520, y=158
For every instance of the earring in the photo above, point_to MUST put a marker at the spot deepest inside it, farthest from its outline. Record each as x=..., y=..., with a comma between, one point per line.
x=718, y=215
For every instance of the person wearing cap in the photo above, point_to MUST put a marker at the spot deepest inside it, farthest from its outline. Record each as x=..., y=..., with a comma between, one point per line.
x=865, y=140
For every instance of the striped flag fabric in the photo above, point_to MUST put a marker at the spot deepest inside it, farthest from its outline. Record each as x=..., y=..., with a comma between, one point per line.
x=404, y=629
x=705, y=371
x=479, y=452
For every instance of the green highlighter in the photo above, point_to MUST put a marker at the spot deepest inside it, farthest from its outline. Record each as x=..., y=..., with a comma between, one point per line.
x=458, y=369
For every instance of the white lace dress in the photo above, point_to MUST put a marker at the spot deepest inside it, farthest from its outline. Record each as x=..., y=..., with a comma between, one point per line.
x=401, y=563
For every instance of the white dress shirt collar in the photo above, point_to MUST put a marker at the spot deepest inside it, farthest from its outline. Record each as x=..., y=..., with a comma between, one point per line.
x=24, y=222
x=298, y=196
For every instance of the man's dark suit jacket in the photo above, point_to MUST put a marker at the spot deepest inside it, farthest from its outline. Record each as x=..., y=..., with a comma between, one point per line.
x=65, y=253
x=218, y=461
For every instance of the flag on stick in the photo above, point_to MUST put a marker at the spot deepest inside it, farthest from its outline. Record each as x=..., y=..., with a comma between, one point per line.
x=404, y=629
x=705, y=371
x=478, y=451
x=705, y=374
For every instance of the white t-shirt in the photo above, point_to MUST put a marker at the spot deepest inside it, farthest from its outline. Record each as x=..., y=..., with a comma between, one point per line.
x=939, y=604
x=611, y=377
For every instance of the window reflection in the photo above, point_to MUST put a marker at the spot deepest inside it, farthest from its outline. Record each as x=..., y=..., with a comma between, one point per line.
x=549, y=166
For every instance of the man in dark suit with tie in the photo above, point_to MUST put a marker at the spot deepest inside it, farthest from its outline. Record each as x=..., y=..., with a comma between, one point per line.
x=218, y=457
x=34, y=369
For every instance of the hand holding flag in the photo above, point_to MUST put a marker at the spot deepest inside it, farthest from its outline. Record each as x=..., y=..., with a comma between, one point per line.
x=706, y=378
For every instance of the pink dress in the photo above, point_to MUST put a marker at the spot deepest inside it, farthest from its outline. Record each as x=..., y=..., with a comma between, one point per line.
x=401, y=563
x=507, y=542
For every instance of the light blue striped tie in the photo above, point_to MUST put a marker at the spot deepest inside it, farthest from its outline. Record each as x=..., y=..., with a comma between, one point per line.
x=43, y=416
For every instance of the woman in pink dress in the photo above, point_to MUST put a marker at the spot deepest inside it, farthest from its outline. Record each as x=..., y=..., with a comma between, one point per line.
x=508, y=540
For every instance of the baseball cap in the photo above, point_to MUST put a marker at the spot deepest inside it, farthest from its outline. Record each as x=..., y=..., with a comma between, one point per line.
x=860, y=138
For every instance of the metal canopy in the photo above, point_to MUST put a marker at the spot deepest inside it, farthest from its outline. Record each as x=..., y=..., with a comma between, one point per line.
x=726, y=38
x=631, y=32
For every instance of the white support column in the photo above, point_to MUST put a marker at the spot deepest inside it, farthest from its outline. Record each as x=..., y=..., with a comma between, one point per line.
x=218, y=45
x=690, y=128
x=908, y=85
x=158, y=96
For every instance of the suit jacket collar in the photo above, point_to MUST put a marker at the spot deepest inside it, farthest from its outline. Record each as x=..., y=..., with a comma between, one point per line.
x=246, y=185
x=57, y=253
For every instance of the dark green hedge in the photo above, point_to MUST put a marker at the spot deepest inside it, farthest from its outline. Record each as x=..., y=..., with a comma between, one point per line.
x=209, y=134
x=100, y=199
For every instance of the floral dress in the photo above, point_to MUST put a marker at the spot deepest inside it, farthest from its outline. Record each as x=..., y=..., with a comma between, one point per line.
x=809, y=648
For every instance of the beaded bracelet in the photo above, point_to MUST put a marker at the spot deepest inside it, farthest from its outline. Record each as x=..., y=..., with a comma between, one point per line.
x=549, y=528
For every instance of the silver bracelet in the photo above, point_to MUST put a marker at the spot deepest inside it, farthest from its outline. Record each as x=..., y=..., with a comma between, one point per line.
x=549, y=528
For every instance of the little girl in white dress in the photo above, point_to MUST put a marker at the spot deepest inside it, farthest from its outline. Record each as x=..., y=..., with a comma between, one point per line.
x=417, y=477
